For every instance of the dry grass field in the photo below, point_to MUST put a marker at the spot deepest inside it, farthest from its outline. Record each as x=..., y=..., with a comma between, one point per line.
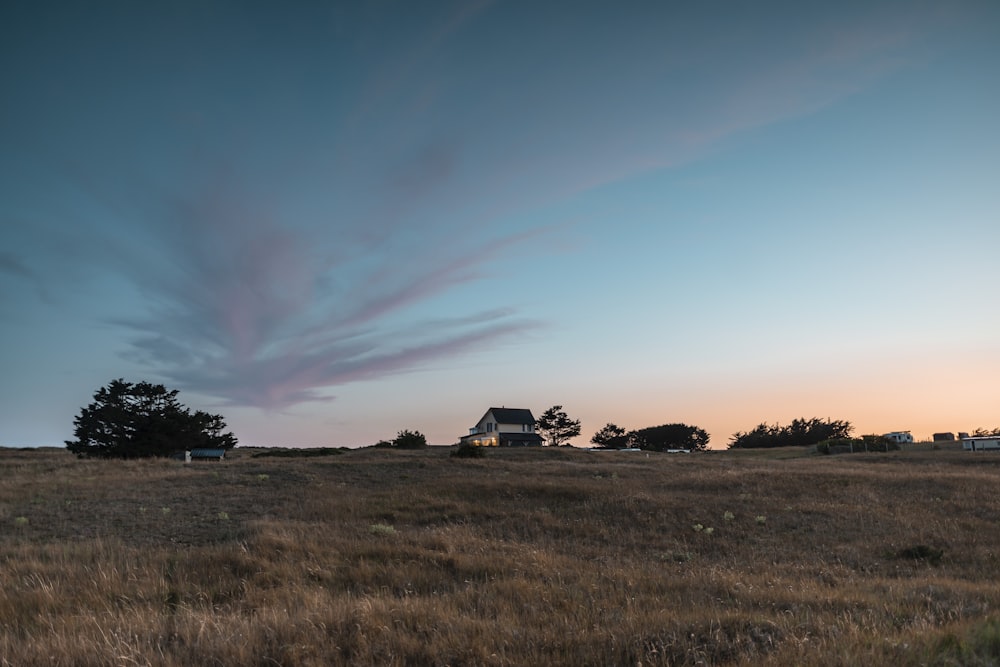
x=529, y=557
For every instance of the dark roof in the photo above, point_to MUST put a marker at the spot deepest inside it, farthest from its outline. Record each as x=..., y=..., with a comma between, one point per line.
x=533, y=438
x=512, y=415
x=207, y=453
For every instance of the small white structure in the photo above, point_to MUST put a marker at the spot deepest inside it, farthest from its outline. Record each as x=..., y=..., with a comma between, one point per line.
x=981, y=443
x=899, y=437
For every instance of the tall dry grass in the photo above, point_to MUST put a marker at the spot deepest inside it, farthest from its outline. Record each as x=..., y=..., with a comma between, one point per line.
x=525, y=557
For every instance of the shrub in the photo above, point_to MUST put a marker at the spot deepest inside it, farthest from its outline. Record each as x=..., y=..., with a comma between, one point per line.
x=409, y=440
x=381, y=529
x=877, y=443
x=921, y=552
x=466, y=450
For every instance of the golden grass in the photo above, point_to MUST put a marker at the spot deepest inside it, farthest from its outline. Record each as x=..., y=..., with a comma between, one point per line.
x=525, y=557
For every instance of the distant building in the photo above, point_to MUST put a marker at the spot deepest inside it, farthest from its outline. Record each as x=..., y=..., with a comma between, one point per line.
x=899, y=437
x=205, y=455
x=504, y=427
x=981, y=443
x=944, y=437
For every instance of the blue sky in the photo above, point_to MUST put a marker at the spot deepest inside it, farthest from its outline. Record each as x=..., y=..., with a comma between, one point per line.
x=332, y=221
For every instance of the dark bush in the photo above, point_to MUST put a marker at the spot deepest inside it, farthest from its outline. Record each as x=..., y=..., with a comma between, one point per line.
x=409, y=440
x=922, y=552
x=468, y=451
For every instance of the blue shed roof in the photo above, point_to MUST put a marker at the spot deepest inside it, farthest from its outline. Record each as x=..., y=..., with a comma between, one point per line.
x=208, y=453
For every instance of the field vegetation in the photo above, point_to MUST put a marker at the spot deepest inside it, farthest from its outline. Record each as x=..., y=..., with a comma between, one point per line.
x=520, y=557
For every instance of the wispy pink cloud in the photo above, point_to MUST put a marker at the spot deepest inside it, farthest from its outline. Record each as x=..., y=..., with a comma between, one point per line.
x=256, y=312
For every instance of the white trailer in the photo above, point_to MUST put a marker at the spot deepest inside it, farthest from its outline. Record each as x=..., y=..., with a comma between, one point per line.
x=981, y=443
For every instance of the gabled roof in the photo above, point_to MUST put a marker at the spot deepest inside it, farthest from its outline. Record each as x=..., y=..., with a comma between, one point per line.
x=512, y=415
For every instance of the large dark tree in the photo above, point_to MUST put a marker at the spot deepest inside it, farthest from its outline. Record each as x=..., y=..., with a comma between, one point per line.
x=801, y=432
x=556, y=426
x=611, y=436
x=670, y=436
x=139, y=420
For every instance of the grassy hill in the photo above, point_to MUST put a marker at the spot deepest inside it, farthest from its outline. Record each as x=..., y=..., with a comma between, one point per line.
x=524, y=557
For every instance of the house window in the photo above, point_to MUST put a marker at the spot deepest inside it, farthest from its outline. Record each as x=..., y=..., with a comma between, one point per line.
x=489, y=427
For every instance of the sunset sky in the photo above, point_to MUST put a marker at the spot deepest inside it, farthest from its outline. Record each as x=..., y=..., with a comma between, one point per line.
x=330, y=221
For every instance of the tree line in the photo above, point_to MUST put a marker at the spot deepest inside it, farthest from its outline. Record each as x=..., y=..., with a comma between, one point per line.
x=133, y=420
x=129, y=420
x=557, y=428
x=677, y=436
x=653, y=438
x=801, y=432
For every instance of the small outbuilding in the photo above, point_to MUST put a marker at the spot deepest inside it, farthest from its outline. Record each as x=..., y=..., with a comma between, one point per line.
x=899, y=437
x=981, y=443
x=205, y=455
x=944, y=437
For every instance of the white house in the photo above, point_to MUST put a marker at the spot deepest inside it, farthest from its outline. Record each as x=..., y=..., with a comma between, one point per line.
x=504, y=427
x=898, y=437
x=981, y=443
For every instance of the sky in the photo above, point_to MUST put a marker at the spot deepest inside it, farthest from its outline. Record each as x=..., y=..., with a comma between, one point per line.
x=332, y=221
